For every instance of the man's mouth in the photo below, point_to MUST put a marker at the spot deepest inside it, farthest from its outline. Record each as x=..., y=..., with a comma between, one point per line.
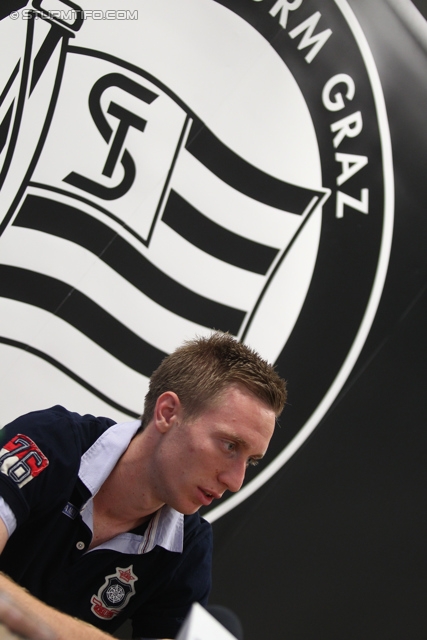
x=209, y=495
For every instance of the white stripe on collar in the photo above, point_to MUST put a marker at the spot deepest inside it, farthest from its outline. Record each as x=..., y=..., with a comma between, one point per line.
x=165, y=529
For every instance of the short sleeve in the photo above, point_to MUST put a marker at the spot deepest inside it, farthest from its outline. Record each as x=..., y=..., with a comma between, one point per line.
x=39, y=452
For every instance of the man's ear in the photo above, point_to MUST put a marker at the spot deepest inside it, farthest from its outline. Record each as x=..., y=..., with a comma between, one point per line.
x=167, y=411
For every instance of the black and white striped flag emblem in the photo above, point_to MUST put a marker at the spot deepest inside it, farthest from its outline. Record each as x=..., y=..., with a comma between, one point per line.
x=127, y=224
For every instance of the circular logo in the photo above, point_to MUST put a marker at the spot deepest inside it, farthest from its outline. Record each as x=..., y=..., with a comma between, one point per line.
x=184, y=166
x=115, y=594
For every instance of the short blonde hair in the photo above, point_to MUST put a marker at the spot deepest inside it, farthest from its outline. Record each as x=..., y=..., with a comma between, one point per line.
x=201, y=368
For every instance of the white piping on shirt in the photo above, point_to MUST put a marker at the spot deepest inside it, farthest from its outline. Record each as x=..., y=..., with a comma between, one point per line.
x=8, y=517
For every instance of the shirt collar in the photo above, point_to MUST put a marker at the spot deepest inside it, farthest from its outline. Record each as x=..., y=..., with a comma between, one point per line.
x=100, y=459
x=166, y=527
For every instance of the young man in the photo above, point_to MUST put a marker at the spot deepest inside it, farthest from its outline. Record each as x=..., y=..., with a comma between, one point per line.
x=99, y=520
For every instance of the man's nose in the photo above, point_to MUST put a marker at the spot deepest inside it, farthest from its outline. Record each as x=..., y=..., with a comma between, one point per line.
x=233, y=476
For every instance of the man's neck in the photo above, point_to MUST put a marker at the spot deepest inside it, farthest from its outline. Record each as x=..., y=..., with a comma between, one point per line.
x=106, y=524
x=125, y=499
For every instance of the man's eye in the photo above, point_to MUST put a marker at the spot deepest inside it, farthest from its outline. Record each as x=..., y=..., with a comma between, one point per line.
x=230, y=446
x=252, y=462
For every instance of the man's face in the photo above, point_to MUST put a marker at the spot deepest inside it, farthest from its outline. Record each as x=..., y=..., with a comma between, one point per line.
x=201, y=458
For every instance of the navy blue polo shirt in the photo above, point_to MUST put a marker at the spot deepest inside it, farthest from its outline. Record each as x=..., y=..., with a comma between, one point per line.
x=51, y=464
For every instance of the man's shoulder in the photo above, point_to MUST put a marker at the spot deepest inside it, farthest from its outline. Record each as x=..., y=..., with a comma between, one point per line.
x=196, y=527
x=57, y=424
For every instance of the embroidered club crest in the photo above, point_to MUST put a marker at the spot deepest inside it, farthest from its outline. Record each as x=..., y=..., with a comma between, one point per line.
x=114, y=594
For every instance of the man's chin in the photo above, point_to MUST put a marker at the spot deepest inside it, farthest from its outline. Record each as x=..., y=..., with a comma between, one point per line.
x=187, y=510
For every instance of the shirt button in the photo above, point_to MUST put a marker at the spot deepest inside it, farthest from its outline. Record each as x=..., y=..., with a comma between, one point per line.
x=80, y=546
